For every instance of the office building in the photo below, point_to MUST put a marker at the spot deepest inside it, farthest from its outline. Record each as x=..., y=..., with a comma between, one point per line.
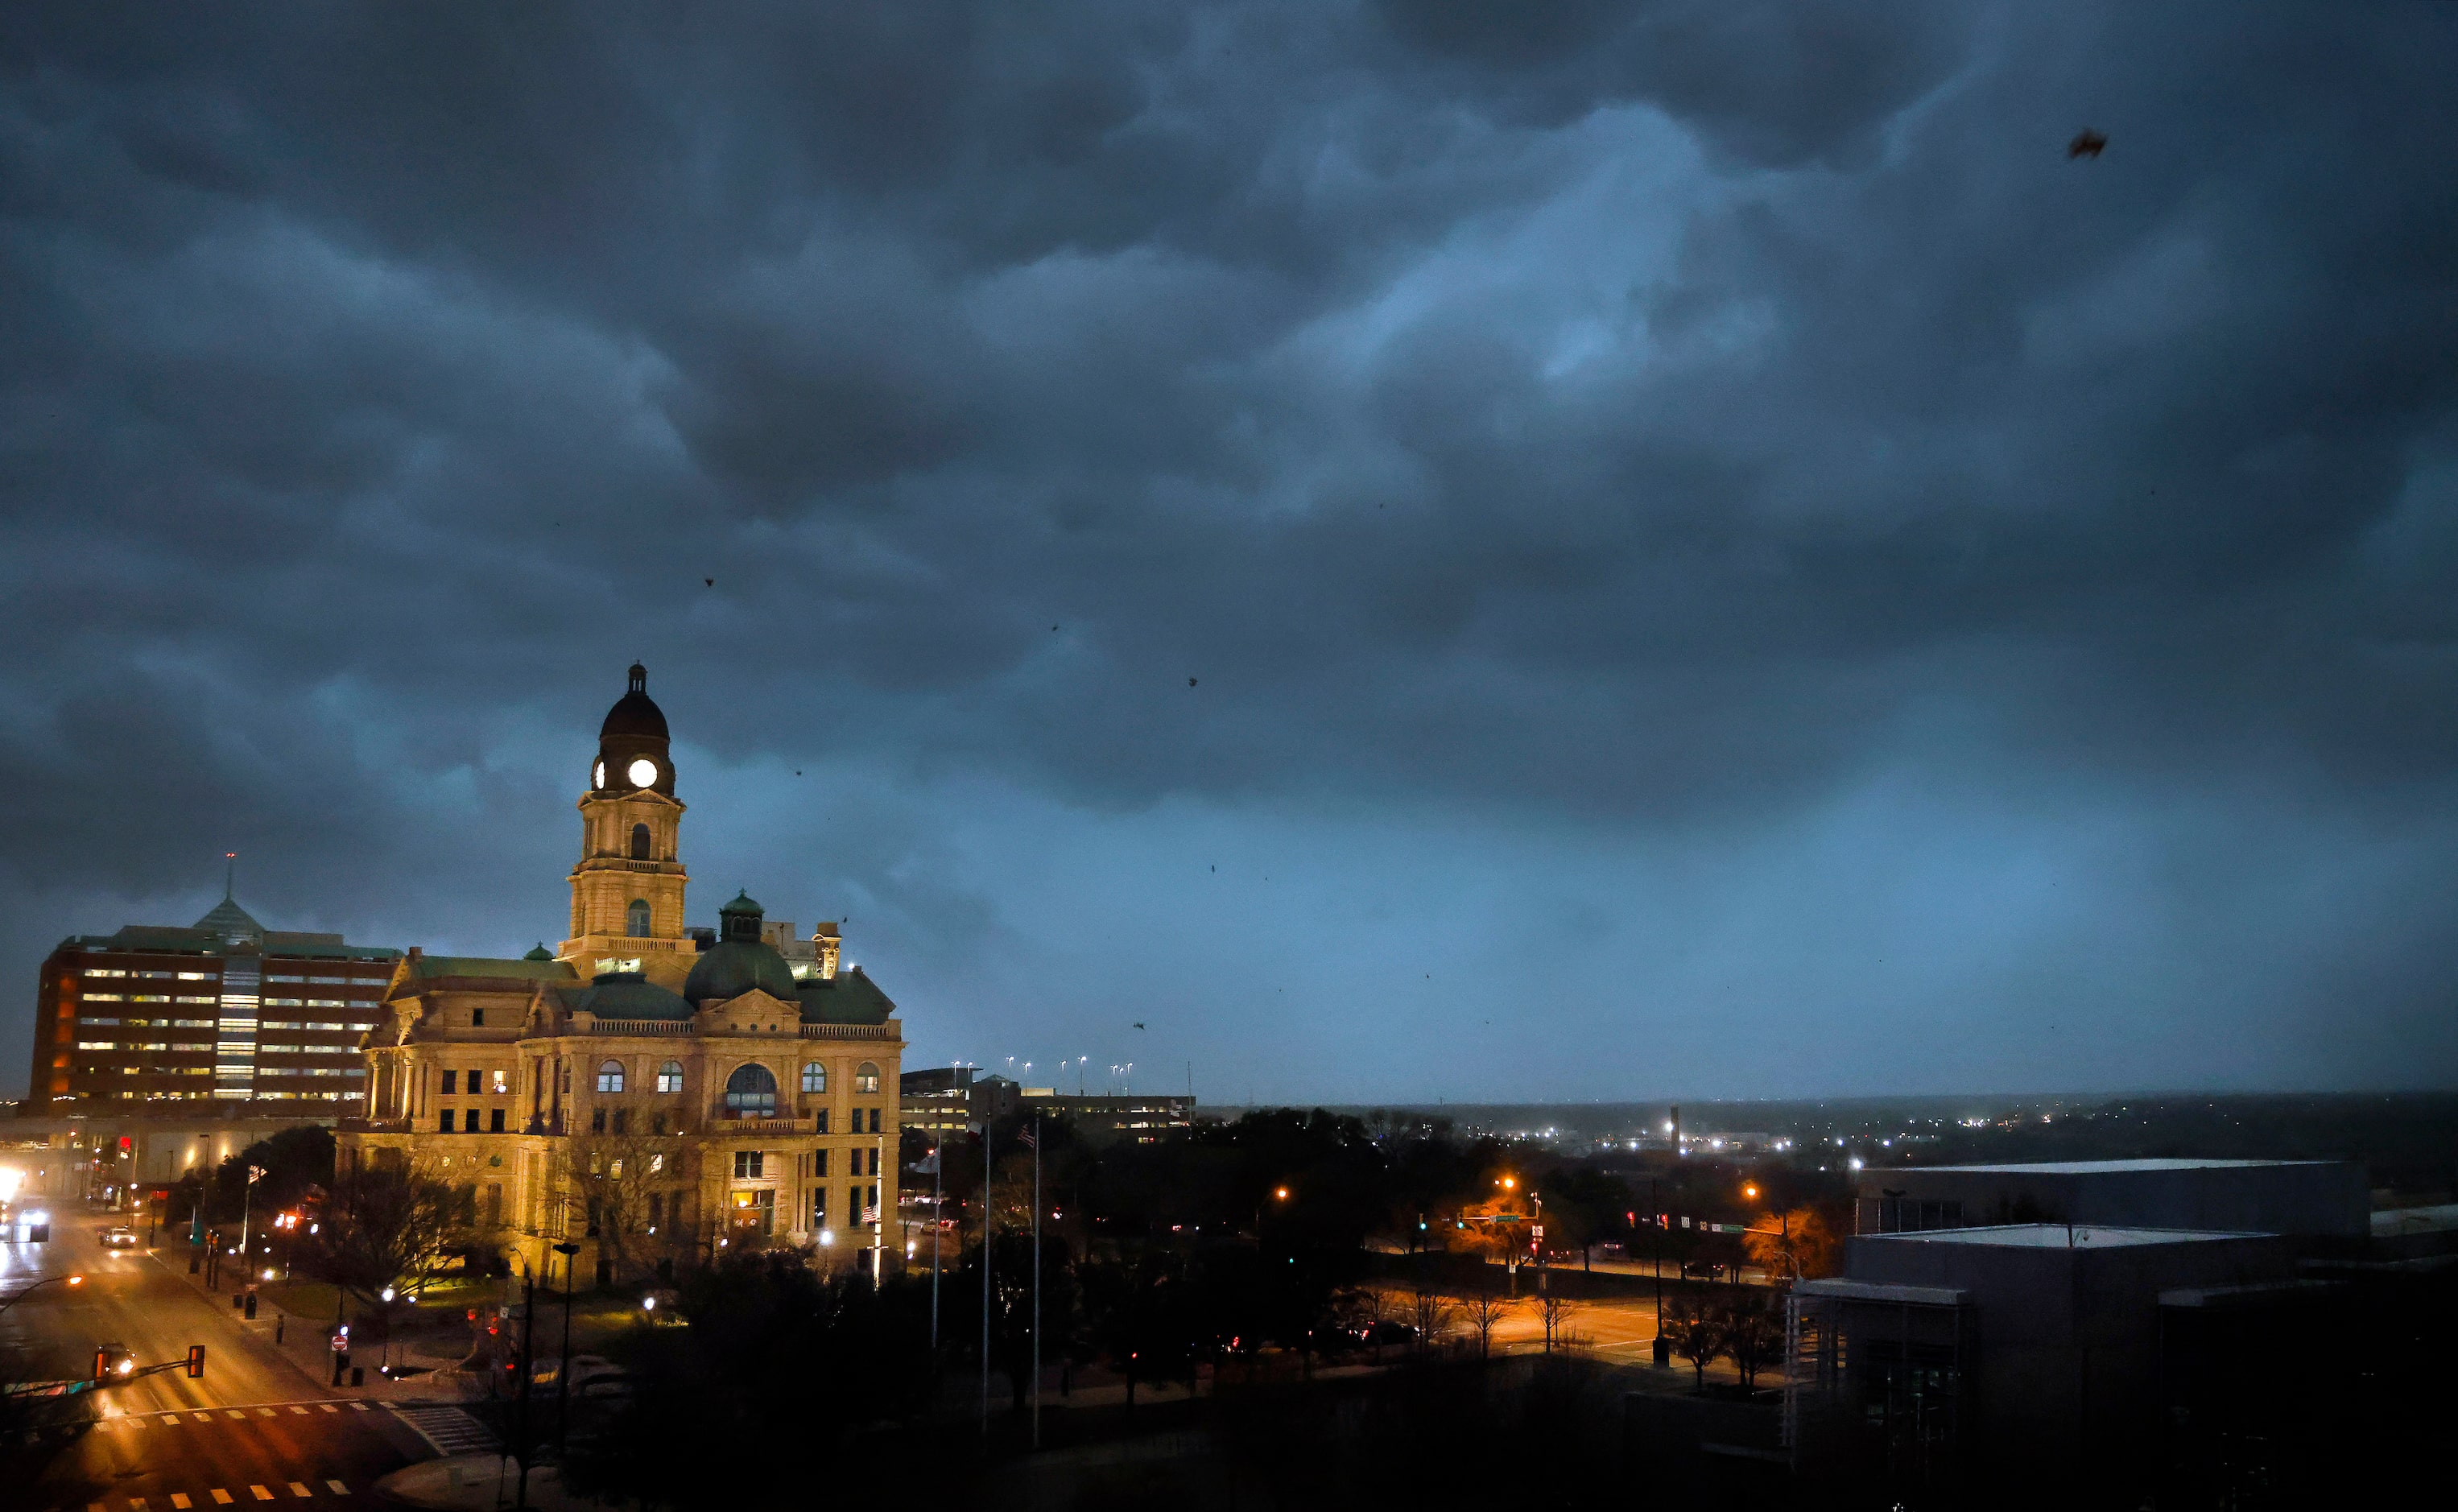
x=225, y=1011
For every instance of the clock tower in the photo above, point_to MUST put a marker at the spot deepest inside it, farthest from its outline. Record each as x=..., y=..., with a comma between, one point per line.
x=627, y=893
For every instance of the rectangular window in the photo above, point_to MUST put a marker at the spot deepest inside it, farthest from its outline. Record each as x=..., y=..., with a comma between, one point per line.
x=656, y=1123
x=622, y=1120
x=597, y=1120
x=819, y=1163
x=501, y=1086
x=495, y=1197
x=750, y=1164
x=444, y=1122
x=451, y=1079
x=495, y=1120
x=824, y=1120
x=656, y=1211
x=477, y=1018
x=470, y=1123
x=819, y=1207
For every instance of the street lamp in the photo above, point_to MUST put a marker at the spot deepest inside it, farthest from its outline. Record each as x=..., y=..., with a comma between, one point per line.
x=563, y=1371
x=62, y=1280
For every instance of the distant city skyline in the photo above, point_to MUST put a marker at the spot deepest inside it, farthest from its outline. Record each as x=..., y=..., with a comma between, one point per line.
x=1415, y=555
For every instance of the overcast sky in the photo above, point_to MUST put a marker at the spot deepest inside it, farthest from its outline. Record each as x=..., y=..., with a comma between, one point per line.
x=1417, y=549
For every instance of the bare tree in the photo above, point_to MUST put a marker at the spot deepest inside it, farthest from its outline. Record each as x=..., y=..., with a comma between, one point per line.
x=607, y=1189
x=1432, y=1315
x=382, y=1226
x=1752, y=1336
x=1483, y=1311
x=1696, y=1331
x=1554, y=1309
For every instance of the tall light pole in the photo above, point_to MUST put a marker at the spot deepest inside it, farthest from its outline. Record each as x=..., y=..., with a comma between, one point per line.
x=986, y=1273
x=938, y=1217
x=528, y=1369
x=15, y=1296
x=563, y=1371
x=246, y=1196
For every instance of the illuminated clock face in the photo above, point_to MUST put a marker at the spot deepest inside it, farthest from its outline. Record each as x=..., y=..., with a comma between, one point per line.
x=643, y=772
x=597, y=780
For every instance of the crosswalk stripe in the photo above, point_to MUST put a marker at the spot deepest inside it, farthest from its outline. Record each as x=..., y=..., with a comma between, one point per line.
x=179, y=1501
x=259, y=1493
x=221, y=1498
x=97, y=1506
x=239, y=1413
x=328, y=1406
x=264, y=1412
x=134, y=1422
x=170, y=1417
x=358, y=1407
x=339, y=1490
x=299, y=1488
x=137, y=1503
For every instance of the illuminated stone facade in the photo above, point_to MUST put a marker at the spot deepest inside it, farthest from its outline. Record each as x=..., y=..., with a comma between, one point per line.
x=648, y=1092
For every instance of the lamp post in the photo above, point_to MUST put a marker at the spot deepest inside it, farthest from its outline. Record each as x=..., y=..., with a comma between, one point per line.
x=985, y=1272
x=246, y=1196
x=563, y=1371
x=15, y=1296
x=528, y=1369
x=384, y=1366
x=938, y=1166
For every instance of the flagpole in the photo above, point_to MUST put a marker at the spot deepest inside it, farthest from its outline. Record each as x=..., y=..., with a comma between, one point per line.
x=938, y=1163
x=1037, y=1281
x=986, y=1276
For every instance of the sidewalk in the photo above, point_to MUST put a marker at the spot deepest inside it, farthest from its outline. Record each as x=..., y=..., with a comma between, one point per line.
x=304, y=1343
x=479, y=1482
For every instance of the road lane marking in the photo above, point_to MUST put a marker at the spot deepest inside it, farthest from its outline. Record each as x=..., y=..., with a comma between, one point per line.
x=137, y=1503
x=97, y=1506
x=264, y=1412
x=339, y=1490
x=179, y=1501
x=301, y=1410
x=259, y=1493
x=134, y=1422
x=299, y=1488
x=238, y=1414
x=328, y=1406
x=170, y=1417
x=358, y=1407
x=221, y=1498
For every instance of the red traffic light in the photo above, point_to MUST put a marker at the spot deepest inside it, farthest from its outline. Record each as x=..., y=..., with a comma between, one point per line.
x=101, y=1363
x=195, y=1361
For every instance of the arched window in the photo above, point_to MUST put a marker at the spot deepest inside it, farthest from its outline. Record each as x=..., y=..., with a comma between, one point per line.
x=866, y=1079
x=815, y=1077
x=640, y=843
x=670, y=1077
x=751, y=1092
x=609, y=1077
x=638, y=922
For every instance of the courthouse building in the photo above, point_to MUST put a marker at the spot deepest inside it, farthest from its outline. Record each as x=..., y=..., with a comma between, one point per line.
x=646, y=1090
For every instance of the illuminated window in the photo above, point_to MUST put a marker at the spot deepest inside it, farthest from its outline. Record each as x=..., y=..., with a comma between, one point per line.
x=637, y=923
x=609, y=1077
x=865, y=1079
x=670, y=1077
x=815, y=1077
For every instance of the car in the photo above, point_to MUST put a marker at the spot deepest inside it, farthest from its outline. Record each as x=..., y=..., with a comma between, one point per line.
x=120, y=1238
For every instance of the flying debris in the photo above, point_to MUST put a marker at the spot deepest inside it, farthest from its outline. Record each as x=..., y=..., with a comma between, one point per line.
x=710, y=581
x=1139, y=1026
x=1190, y=682
x=2087, y=143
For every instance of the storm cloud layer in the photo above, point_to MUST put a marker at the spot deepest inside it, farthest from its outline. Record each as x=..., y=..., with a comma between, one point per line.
x=1473, y=549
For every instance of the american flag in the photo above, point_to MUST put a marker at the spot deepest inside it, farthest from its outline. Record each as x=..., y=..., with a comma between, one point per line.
x=1030, y=1138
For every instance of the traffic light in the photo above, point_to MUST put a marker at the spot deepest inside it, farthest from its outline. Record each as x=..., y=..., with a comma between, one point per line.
x=101, y=1364
x=195, y=1361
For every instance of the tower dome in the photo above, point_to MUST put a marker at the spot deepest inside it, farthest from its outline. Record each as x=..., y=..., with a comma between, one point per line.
x=632, y=743
x=739, y=960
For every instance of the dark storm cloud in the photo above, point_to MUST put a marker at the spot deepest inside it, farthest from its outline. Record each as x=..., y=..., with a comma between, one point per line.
x=1648, y=419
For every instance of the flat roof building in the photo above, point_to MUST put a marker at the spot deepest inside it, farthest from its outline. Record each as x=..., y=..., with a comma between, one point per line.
x=225, y=1011
x=2306, y=1198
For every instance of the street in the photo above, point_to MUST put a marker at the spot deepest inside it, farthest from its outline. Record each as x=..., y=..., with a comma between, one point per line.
x=254, y=1429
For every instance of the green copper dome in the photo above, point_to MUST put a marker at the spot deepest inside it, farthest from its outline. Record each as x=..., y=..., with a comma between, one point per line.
x=740, y=961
